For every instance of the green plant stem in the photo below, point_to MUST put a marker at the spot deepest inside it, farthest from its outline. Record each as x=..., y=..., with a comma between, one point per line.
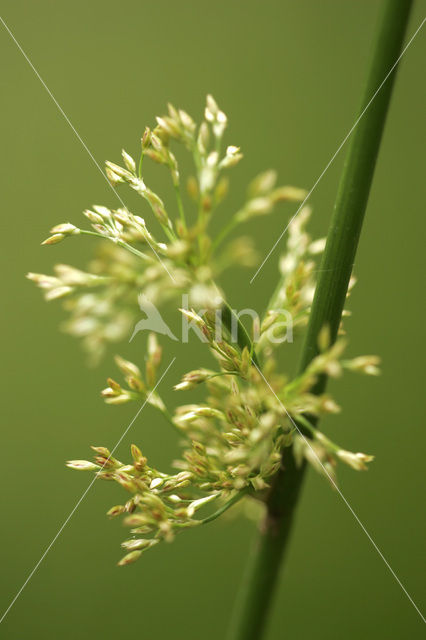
x=120, y=243
x=259, y=583
x=140, y=165
x=236, y=498
x=232, y=321
x=225, y=231
x=180, y=203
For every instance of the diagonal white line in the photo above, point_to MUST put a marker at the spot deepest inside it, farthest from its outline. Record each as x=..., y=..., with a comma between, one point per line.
x=80, y=500
x=335, y=486
x=68, y=121
x=330, y=162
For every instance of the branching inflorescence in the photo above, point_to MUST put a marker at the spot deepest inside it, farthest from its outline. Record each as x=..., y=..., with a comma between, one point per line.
x=232, y=443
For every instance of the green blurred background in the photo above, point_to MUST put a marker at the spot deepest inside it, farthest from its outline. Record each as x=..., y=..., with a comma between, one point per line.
x=289, y=75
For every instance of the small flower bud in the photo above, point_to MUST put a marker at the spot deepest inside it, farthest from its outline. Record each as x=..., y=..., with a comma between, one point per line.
x=364, y=364
x=262, y=184
x=114, y=385
x=317, y=247
x=58, y=292
x=102, y=211
x=129, y=558
x=95, y=218
x=116, y=511
x=288, y=194
x=157, y=143
x=169, y=126
x=193, y=317
x=82, y=465
x=127, y=368
x=119, y=171
x=220, y=125
x=211, y=108
x=57, y=237
x=136, y=544
x=118, y=399
x=192, y=378
x=355, y=460
x=67, y=229
x=183, y=386
x=102, y=451
x=233, y=156
x=128, y=161
x=108, y=392
x=136, y=384
x=157, y=482
x=136, y=452
x=146, y=138
x=192, y=188
x=113, y=178
x=187, y=122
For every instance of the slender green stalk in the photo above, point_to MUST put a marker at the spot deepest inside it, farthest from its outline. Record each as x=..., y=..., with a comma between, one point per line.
x=232, y=322
x=224, y=233
x=140, y=165
x=120, y=243
x=176, y=186
x=336, y=267
x=236, y=498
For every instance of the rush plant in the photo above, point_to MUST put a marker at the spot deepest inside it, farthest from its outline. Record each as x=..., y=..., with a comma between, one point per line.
x=232, y=443
x=256, y=429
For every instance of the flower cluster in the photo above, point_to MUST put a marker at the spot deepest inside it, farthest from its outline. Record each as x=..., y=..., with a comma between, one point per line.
x=232, y=442
x=102, y=303
x=187, y=259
